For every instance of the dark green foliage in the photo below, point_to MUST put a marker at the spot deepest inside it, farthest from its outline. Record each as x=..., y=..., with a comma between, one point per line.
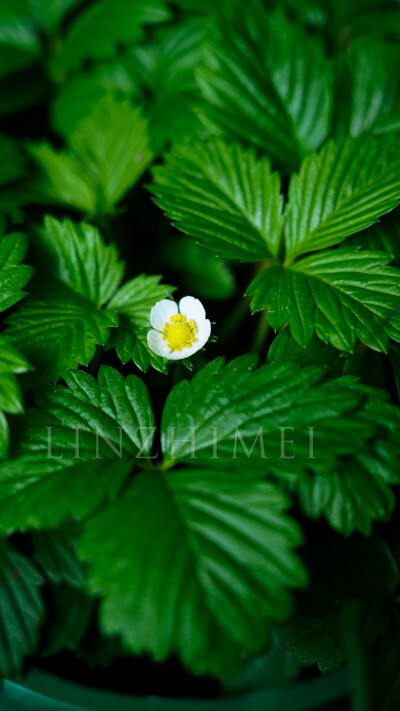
x=246, y=153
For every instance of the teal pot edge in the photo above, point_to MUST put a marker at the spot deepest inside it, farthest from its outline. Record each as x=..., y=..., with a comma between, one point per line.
x=44, y=692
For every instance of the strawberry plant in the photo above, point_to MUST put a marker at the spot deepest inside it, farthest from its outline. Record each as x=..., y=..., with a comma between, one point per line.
x=200, y=342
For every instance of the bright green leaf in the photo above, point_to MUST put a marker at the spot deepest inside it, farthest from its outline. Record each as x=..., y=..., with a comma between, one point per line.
x=340, y=191
x=96, y=431
x=267, y=83
x=77, y=256
x=212, y=583
x=258, y=421
x=107, y=154
x=13, y=275
x=341, y=295
x=225, y=197
x=58, y=330
x=62, y=321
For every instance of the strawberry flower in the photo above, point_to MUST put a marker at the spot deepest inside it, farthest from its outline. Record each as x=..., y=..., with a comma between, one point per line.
x=178, y=331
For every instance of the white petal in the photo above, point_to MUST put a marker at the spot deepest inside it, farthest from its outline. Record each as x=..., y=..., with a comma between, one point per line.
x=203, y=333
x=161, y=313
x=192, y=308
x=157, y=344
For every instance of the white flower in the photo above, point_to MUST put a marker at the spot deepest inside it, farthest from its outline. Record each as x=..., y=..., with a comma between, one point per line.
x=178, y=331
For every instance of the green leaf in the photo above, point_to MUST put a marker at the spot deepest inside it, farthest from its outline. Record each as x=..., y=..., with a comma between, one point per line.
x=267, y=83
x=285, y=348
x=80, y=93
x=58, y=330
x=340, y=191
x=21, y=610
x=50, y=13
x=341, y=295
x=133, y=302
x=13, y=275
x=357, y=492
x=212, y=583
x=11, y=362
x=223, y=196
x=384, y=236
x=100, y=28
x=62, y=321
x=165, y=72
x=369, y=87
x=77, y=256
x=69, y=614
x=107, y=154
x=96, y=431
x=204, y=419
x=258, y=421
x=11, y=400
x=55, y=553
x=19, y=39
x=354, y=578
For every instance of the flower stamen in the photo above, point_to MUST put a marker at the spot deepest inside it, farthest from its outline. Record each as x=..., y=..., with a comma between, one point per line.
x=179, y=333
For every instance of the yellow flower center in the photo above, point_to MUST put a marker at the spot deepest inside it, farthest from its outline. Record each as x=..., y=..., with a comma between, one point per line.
x=179, y=333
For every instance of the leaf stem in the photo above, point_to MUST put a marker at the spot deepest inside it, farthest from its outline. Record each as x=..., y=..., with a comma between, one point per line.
x=236, y=317
x=261, y=333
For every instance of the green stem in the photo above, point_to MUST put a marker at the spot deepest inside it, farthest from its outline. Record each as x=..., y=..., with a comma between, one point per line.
x=232, y=323
x=261, y=334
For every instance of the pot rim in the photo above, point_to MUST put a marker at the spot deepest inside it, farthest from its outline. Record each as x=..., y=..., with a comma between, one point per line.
x=41, y=691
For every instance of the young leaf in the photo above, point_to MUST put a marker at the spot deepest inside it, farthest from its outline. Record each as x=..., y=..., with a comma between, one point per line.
x=133, y=302
x=75, y=452
x=62, y=321
x=225, y=197
x=267, y=83
x=340, y=191
x=21, y=609
x=107, y=154
x=13, y=275
x=341, y=295
x=225, y=557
